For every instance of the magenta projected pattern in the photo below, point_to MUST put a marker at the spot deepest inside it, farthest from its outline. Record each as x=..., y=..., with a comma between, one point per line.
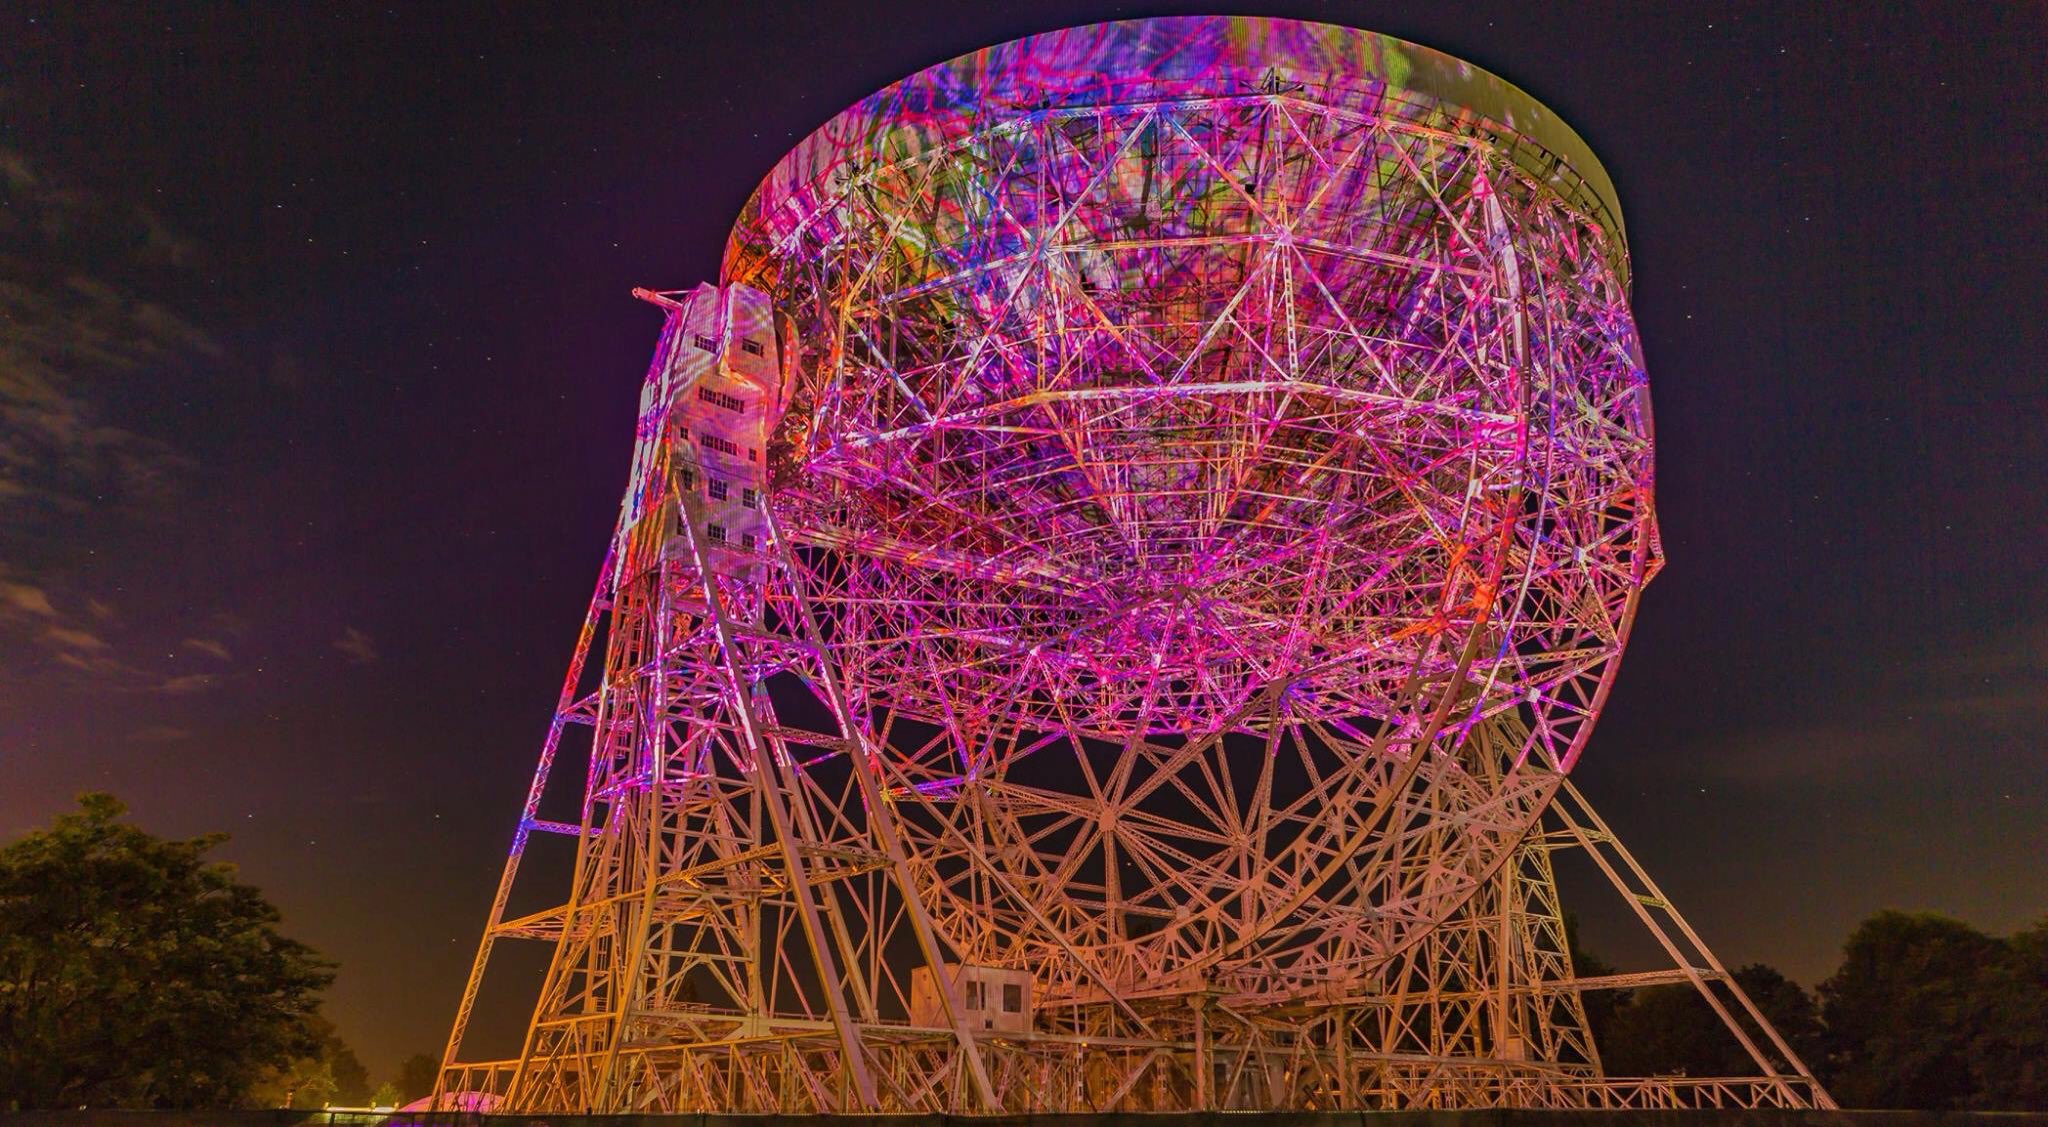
x=1111, y=582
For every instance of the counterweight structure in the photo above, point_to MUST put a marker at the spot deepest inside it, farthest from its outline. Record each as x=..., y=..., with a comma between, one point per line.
x=1112, y=584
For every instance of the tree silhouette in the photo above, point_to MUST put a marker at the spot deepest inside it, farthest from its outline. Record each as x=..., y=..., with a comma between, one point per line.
x=136, y=973
x=1671, y=1030
x=416, y=1076
x=1928, y=1012
x=329, y=1074
x=2010, y=1060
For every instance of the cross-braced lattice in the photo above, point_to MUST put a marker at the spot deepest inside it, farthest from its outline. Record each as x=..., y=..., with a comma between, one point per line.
x=1111, y=589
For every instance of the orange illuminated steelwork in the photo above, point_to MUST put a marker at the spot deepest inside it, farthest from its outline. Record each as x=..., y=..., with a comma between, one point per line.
x=1111, y=587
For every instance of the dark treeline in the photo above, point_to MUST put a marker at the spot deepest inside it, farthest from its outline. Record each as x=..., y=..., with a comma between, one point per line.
x=135, y=972
x=1924, y=1011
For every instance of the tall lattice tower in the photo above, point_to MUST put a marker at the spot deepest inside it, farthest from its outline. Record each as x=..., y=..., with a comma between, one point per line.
x=1112, y=583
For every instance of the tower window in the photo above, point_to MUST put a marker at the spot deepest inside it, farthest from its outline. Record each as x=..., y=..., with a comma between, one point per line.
x=718, y=488
x=715, y=533
x=750, y=497
x=753, y=348
x=721, y=399
x=708, y=344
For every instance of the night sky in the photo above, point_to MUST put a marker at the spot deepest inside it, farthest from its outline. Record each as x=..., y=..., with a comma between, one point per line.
x=318, y=372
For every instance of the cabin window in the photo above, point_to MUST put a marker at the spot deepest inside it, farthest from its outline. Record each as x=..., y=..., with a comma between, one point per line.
x=1013, y=998
x=721, y=399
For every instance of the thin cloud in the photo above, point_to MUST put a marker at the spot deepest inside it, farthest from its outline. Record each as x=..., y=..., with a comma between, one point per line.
x=189, y=683
x=28, y=599
x=1814, y=754
x=1983, y=693
x=101, y=672
x=83, y=319
x=69, y=338
x=73, y=639
x=357, y=646
x=1999, y=683
x=216, y=650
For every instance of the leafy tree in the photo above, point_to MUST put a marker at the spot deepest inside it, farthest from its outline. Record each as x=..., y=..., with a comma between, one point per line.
x=136, y=973
x=1790, y=1009
x=416, y=1077
x=2009, y=1056
x=329, y=1074
x=386, y=1095
x=1600, y=1005
x=1912, y=1012
x=1666, y=1030
x=307, y=1082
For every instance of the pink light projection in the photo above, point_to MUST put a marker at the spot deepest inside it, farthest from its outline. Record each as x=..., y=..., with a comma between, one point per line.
x=1110, y=579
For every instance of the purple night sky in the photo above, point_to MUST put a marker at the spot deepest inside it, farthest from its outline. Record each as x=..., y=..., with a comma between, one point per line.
x=318, y=373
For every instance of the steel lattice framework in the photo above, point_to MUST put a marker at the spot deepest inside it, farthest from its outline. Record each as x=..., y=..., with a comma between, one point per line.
x=1112, y=586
